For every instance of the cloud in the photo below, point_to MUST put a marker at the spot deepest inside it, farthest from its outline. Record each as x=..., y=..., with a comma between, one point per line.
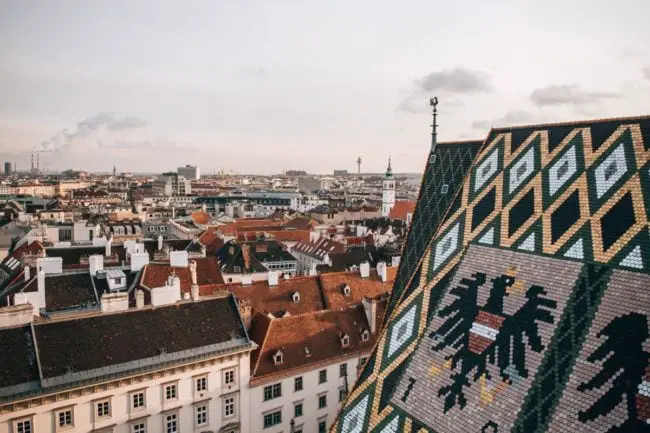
x=447, y=83
x=511, y=118
x=646, y=73
x=89, y=126
x=567, y=94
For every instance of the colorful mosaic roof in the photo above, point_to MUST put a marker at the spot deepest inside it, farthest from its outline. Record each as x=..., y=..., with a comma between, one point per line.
x=523, y=305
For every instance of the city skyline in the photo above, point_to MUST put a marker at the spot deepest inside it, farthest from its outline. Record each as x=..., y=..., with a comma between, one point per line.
x=250, y=87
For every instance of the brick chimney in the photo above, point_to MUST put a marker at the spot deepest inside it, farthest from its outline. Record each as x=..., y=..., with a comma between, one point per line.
x=246, y=254
x=245, y=310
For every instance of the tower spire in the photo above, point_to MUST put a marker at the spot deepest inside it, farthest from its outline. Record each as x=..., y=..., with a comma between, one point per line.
x=434, y=127
x=389, y=170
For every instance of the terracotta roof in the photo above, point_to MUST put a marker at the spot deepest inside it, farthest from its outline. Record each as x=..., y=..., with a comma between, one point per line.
x=200, y=217
x=319, y=332
x=27, y=248
x=401, y=208
x=319, y=248
x=278, y=299
x=207, y=273
x=300, y=224
x=360, y=288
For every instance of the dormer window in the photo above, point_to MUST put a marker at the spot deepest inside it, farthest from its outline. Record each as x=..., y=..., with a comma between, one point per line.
x=295, y=297
x=346, y=290
x=345, y=340
x=277, y=358
x=307, y=352
x=365, y=335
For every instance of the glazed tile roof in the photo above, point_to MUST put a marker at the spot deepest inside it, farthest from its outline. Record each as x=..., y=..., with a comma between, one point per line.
x=524, y=307
x=319, y=332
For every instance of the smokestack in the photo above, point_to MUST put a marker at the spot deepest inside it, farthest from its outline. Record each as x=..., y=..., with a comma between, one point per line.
x=139, y=299
x=108, y=246
x=160, y=242
x=27, y=271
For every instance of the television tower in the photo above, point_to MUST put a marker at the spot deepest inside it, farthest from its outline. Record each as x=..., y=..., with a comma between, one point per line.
x=359, y=167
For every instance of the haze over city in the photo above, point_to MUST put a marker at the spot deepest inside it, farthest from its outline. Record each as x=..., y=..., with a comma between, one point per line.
x=258, y=87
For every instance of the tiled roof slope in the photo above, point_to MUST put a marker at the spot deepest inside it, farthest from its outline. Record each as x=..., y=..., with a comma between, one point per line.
x=530, y=310
x=371, y=287
x=319, y=332
x=449, y=166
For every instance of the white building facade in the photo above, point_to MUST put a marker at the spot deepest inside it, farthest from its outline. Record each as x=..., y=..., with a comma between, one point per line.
x=388, y=192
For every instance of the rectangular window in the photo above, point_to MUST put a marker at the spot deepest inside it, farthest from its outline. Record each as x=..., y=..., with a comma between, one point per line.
x=201, y=413
x=170, y=392
x=103, y=408
x=444, y=189
x=322, y=426
x=297, y=410
x=343, y=370
x=139, y=428
x=342, y=394
x=24, y=426
x=297, y=384
x=171, y=423
x=362, y=361
x=65, y=418
x=322, y=401
x=322, y=376
x=229, y=377
x=137, y=400
x=201, y=384
x=228, y=407
x=272, y=391
x=273, y=418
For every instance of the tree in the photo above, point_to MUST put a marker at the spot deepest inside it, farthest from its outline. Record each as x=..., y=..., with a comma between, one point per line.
x=624, y=360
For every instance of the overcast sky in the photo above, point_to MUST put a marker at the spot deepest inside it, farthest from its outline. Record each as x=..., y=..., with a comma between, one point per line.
x=262, y=86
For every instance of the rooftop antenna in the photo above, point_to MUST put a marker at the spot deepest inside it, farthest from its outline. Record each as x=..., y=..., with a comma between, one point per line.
x=434, y=127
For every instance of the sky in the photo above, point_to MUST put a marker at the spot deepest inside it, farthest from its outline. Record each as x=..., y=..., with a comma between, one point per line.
x=265, y=86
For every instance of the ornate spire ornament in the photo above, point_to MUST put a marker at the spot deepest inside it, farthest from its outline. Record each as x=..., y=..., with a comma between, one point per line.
x=434, y=127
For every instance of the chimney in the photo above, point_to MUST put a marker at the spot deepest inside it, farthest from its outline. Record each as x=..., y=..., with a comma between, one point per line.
x=109, y=242
x=382, y=271
x=139, y=261
x=96, y=263
x=160, y=242
x=139, y=299
x=273, y=277
x=27, y=271
x=114, y=302
x=41, y=280
x=245, y=311
x=195, y=293
x=370, y=308
x=246, y=254
x=364, y=270
x=193, y=272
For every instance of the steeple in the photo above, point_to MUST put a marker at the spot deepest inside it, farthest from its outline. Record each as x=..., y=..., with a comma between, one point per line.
x=434, y=127
x=389, y=170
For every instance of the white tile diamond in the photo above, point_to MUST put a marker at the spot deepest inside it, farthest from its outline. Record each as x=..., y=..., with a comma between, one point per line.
x=353, y=421
x=486, y=169
x=446, y=246
x=392, y=426
x=610, y=170
x=402, y=331
x=576, y=251
x=562, y=170
x=529, y=243
x=522, y=169
x=634, y=259
x=488, y=237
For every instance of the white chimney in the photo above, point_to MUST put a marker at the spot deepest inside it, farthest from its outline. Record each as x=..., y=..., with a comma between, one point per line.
x=160, y=242
x=195, y=292
x=382, y=271
x=96, y=263
x=139, y=261
x=179, y=259
x=170, y=293
x=370, y=308
x=40, y=281
x=50, y=265
x=139, y=299
x=113, y=302
x=193, y=272
x=28, y=273
x=273, y=277
x=364, y=270
x=109, y=243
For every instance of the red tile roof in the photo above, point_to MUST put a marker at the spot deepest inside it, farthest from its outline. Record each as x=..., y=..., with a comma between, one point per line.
x=319, y=248
x=319, y=332
x=207, y=274
x=401, y=208
x=278, y=298
x=360, y=288
x=34, y=248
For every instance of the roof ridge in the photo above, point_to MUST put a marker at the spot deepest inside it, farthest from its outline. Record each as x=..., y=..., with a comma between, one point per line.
x=577, y=123
x=261, y=346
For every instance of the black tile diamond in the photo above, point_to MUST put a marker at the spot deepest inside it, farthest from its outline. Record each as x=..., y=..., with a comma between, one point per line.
x=600, y=132
x=520, y=212
x=519, y=136
x=617, y=221
x=557, y=134
x=484, y=208
x=565, y=216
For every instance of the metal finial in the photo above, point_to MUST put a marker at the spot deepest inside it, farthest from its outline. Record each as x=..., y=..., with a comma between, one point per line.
x=434, y=127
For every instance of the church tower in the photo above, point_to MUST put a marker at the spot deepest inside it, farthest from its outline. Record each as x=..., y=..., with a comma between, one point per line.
x=388, y=192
